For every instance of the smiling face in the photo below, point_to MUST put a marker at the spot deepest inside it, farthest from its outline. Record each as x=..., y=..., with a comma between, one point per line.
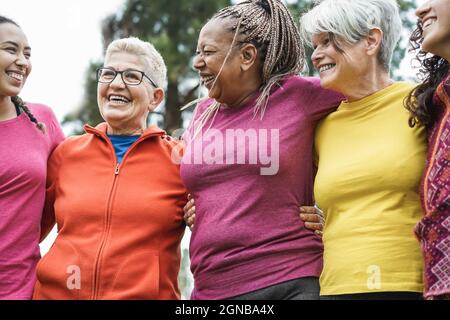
x=15, y=65
x=435, y=18
x=338, y=70
x=223, y=79
x=125, y=107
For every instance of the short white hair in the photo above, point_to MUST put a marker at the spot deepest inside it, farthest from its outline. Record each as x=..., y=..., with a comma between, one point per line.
x=351, y=20
x=154, y=64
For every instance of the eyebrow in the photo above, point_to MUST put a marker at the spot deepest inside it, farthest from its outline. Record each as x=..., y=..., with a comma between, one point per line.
x=15, y=44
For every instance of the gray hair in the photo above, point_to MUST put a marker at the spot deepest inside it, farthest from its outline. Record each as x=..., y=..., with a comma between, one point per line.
x=154, y=64
x=350, y=21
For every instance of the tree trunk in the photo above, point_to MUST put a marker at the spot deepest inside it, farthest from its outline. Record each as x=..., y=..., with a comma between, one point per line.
x=173, y=114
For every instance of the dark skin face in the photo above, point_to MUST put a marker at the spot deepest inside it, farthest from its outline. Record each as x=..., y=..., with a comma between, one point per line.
x=231, y=75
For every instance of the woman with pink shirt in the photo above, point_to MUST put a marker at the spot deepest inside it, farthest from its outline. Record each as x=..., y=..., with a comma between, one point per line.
x=29, y=134
x=249, y=158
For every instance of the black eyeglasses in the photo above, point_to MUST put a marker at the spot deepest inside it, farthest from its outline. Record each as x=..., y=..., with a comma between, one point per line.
x=130, y=76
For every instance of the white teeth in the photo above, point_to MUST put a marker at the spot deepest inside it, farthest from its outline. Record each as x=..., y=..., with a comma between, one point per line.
x=206, y=80
x=16, y=76
x=118, y=99
x=326, y=67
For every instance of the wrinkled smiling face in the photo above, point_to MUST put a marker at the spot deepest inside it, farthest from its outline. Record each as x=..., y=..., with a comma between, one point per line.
x=435, y=18
x=125, y=106
x=338, y=70
x=213, y=45
x=15, y=65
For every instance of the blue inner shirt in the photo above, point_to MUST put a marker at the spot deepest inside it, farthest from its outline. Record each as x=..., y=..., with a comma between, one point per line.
x=122, y=144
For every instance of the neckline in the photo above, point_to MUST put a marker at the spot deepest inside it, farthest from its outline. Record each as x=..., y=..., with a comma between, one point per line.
x=373, y=98
x=13, y=120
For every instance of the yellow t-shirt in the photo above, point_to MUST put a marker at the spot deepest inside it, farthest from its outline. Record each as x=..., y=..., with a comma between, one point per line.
x=370, y=164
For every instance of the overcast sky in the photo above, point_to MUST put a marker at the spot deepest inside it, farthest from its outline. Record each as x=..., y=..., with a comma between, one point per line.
x=64, y=36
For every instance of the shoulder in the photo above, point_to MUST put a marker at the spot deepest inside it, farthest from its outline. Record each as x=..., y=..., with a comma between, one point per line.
x=309, y=87
x=202, y=106
x=46, y=115
x=403, y=86
x=302, y=82
x=72, y=143
x=41, y=110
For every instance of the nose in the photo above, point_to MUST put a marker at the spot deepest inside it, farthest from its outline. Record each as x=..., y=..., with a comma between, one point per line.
x=423, y=9
x=198, y=62
x=118, y=81
x=316, y=56
x=22, y=61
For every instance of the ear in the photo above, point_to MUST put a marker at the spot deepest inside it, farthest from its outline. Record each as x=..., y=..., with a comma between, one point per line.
x=374, y=40
x=158, y=97
x=249, y=56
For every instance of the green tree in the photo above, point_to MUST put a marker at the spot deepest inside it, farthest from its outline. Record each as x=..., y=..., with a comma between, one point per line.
x=172, y=26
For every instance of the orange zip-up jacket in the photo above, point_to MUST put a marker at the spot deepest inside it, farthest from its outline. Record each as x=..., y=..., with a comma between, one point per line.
x=119, y=226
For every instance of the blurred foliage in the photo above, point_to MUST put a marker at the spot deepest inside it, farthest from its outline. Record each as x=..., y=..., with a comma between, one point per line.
x=173, y=26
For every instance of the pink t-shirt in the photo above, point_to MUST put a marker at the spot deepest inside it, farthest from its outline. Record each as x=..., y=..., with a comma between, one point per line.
x=24, y=151
x=248, y=177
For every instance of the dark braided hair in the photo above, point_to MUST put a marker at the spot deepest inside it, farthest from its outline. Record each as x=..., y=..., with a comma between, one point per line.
x=18, y=102
x=269, y=26
x=432, y=72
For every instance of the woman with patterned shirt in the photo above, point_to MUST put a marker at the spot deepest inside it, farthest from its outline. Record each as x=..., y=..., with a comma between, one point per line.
x=429, y=104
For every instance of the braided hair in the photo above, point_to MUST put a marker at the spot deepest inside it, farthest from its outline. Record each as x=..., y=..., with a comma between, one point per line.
x=269, y=26
x=18, y=102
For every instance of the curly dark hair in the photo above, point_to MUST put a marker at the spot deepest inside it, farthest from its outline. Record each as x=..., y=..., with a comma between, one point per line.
x=432, y=72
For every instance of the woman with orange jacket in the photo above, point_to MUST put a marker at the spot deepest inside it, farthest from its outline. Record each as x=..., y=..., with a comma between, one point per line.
x=115, y=192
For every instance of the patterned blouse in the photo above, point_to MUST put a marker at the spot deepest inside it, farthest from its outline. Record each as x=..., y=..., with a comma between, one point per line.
x=433, y=230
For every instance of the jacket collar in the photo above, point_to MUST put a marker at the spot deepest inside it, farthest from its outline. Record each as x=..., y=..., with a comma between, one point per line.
x=101, y=131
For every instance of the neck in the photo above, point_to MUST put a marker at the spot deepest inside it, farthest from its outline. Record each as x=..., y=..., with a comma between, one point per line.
x=7, y=109
x=117, y=131
x=366, y=85
x=445, y=53
x=248, y=87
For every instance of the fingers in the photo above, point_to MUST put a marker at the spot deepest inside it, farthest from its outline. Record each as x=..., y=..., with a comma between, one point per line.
x=308, y=217
x=190, y=221
x=314, y=226
x=313, y=218
x=188, y=206
x=189, y=212
x=310, y=210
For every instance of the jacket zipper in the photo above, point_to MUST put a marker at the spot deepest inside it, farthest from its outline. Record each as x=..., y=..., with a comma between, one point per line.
x=98, y=259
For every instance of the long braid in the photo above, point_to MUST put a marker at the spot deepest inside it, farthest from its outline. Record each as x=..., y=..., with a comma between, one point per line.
x=269, y=26
x=18, y=102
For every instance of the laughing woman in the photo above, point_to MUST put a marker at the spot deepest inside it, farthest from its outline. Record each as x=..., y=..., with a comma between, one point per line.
x=369, y=159
x=115, y=193
x=29, y=133
x=429, y=104
x=248, y=241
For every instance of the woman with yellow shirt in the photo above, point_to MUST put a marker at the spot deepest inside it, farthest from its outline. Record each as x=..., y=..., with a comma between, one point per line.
x=369, y=160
